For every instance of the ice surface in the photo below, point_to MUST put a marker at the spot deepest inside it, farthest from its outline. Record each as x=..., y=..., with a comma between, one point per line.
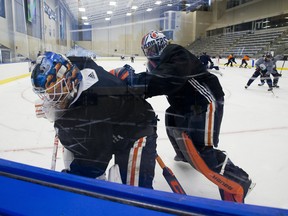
x=254, y=133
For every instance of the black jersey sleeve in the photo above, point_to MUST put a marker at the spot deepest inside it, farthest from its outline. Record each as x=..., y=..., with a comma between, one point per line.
x=176, y=66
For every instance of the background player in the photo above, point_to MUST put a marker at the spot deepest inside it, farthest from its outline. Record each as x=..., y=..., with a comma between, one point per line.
x=244, y=61
x=264, y=67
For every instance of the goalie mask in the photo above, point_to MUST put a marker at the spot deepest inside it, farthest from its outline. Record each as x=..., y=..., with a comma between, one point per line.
x=55, y=80
x=153, y=44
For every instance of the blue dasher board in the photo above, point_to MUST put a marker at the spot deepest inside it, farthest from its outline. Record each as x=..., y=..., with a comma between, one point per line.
x=28, y=190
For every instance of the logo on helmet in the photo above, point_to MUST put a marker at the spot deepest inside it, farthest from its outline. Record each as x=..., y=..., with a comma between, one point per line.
x=154, y=35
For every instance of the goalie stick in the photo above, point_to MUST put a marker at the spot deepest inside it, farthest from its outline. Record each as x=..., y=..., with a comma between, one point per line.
x=170, y=177
x=55, y=150
x=215, y=72
x=282, y=67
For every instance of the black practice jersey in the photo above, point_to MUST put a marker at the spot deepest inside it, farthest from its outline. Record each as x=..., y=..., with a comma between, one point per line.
x=183, y=78
x=103, y=113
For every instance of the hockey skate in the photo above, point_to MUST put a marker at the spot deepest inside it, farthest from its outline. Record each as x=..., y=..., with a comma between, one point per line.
x=251, y=187
x=246, y=86
x=275, y=86
x=270, y=89
x=261, y=84
x=179, y=158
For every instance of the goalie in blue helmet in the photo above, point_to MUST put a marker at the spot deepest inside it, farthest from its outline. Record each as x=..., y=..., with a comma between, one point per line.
x=97, y=118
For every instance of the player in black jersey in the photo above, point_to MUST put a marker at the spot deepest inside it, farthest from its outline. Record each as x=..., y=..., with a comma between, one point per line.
x=205, y=59
x=194, y=117
x=96, y=117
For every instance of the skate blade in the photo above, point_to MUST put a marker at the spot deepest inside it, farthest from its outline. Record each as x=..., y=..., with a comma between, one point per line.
x=251, y=187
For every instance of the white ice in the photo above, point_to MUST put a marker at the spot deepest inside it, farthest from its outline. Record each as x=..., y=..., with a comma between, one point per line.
x=254, y=133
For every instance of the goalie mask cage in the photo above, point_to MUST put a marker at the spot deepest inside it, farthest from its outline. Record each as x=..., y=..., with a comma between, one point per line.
x=28, y=190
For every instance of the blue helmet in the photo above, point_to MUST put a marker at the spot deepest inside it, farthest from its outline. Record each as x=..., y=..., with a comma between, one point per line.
x=54, y=78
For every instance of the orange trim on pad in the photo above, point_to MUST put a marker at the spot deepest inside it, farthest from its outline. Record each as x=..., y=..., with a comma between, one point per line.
x=221, y=181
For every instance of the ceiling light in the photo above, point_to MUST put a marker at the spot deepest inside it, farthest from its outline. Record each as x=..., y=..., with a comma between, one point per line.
x=107, y=18
x=149, y=9
x=86, y=23
x=82, y=9
x=112, y=3
x=109, y=12
x=187, y=5
x=134, y=7
x=84, y=17
x=169, y=5
x=158, y=2
x=128, y=14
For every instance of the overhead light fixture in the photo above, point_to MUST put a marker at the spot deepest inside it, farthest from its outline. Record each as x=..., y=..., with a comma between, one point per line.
x=187, y=5
x=107, y=18
x=169, y=5
x=86, y=23
x=149, y=9
x=109, y=12
x=112, y=3
x=128, y=14
x=82, y=9
x=84, y=17
x=158, y=2
x=134, y=7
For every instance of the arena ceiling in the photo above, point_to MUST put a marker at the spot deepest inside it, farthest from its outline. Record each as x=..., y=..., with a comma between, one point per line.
x=104, y=10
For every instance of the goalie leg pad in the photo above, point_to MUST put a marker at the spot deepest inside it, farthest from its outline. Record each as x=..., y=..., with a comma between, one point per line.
x=68, y=157
x=232, y=181
x=114, y=174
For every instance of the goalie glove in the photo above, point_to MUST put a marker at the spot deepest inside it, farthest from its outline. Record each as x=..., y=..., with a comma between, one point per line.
x=125, y=73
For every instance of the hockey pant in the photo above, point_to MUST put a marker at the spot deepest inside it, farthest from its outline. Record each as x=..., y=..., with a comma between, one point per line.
x=244, y=62
x=136, y=164
x=202, y=122
x=275, y=75
x=214, y=164
x=264, y=76
x=230, y=62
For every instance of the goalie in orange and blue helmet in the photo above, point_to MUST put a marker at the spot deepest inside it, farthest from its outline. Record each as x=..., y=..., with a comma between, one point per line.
x=96, y=117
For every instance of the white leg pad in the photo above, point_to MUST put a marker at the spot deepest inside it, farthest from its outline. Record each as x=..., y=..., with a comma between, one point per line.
x=114, y=174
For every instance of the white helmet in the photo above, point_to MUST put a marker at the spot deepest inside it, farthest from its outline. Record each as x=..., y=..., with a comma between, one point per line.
x=153, y=44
